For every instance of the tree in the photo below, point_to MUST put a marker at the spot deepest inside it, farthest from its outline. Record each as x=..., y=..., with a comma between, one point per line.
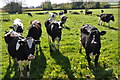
x=12, y=6
x=77, y=3
x=97, y=5
x=46, y=5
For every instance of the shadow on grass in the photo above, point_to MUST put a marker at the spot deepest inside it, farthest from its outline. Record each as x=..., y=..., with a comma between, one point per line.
x=38, y=66
x=101, y=73
x=12, y=69
x=63, y=61
x=37, y=69
x=110, y=27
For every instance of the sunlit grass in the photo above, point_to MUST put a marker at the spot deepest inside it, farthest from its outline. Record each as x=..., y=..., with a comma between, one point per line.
x=68, y=62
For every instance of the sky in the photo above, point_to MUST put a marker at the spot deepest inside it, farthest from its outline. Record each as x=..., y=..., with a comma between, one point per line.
x=38, y=2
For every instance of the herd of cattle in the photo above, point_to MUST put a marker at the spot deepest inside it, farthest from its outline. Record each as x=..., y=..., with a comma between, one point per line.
x=23, y=48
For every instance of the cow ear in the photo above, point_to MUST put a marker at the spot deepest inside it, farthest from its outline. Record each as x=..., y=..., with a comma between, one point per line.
x=83, y=30
x=31, y=22
x=102, y=33
x=11, y=27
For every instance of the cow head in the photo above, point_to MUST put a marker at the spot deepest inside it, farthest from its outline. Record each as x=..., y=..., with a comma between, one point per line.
x=10, y=35
x=112, y=17
x=57, y=24
x=36, y=23
x=92, y=32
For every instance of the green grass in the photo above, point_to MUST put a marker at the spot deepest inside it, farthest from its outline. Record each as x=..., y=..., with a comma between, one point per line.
x=67, y=62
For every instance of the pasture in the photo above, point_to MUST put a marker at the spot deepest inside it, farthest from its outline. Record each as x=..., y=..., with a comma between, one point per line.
x=67, y=62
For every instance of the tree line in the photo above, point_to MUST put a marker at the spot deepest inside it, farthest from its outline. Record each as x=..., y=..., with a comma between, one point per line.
x=15, y=6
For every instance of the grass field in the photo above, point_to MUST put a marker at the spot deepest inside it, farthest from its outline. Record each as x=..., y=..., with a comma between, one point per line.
x=67, y=62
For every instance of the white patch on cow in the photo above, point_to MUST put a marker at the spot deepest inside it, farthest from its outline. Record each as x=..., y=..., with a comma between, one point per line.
x=17, y=22
x=28, y=74
x=12, y=34
x=52, y=16
x=93, y=40
x=59, y=22
x=17, y=45
x=52, y=27
x=30, y=42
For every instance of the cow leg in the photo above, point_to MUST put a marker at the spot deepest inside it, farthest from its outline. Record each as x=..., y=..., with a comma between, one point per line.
x=88, y=58
x=96, y=59
x=99, y=21
x=36, y=47
x=108, y=23
x=49, y=40
x=58, y=42
x=28, y=68
x=21, y=68
x=80, y=50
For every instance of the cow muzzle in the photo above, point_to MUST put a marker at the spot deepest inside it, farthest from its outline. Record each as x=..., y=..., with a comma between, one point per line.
x=31, y=57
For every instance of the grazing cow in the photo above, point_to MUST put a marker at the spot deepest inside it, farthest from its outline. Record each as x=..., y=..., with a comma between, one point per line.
x=17, y=26
x=88, y=12
x=61, y=13
x=29, y=14
x=54, y=30
x=65, y=11
x=70, y=11
x=52, y=16
x=46, y=12
x=35, y=31
x=105, y=18
x=81, y=11
x=20, y=48
x=40, y=13
x=55, y=13
x=90, y=40
x=102, y=11
x=75, y=13
x=63, y=19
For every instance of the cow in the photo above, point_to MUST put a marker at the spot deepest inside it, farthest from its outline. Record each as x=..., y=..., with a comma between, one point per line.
x=63, y=19
x=30, y=14
x=17, y=26
x=90, y=40
x=52, y=16
x=70, y=11
x=102, y=11
x=61, y=13
x=105, y=18
x=65, y=11
x=20, y=48
x=54, y=30
x=40, y=13
x=81, y=11
x=35, y=31
x=88, y=12
x=75, y=13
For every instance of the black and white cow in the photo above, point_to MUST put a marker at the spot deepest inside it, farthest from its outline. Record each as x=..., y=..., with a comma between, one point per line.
x=52, y=16
x=61, y=13
x=90, y=40
x=54, y=30
x=21, y=49
x=17, y=26
x=63, y=19
x=35, y=31
x=30, y=14
x=105, y=18
x=88, y=12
